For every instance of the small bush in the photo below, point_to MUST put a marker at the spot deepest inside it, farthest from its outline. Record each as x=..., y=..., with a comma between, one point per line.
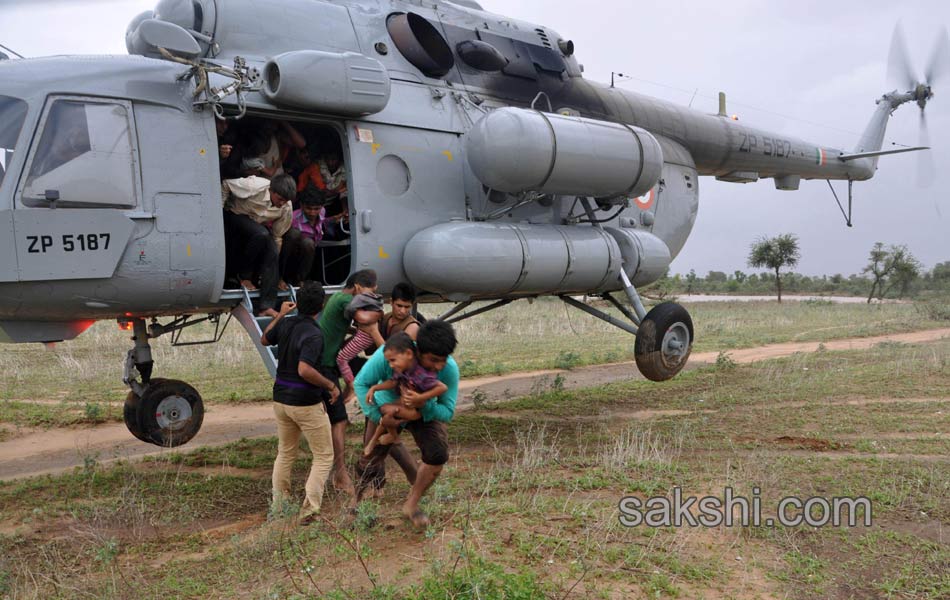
x=567, y=360
x=724, y=362
x=936, y=310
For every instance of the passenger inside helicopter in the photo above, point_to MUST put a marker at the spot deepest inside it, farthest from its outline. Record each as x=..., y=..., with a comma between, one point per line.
x=313, y=156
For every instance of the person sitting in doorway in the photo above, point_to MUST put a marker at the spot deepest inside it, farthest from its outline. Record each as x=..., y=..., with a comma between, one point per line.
x=257, y=215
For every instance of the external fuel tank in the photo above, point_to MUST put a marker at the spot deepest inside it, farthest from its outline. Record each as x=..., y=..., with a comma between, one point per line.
x=464, y=260
x=515, y=150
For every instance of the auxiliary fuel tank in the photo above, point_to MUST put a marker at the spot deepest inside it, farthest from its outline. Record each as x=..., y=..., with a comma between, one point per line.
x=464, y=260
x=515, y=150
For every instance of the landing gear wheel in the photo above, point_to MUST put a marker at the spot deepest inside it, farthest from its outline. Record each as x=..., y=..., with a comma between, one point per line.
x=664, y=341
x=169, y=413
x=130, y=413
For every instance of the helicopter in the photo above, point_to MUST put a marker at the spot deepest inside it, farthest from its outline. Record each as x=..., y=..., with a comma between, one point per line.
x=520, y=177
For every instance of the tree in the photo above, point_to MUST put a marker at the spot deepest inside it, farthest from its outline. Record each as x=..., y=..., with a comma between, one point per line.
x=690, y=281
x=739, y=276
x=891, y=267
x=775, y=253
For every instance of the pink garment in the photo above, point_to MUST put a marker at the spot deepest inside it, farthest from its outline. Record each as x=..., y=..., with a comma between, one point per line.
x=359, y=342
x=300, y=222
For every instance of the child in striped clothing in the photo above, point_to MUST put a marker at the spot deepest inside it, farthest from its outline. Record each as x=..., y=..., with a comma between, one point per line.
x=365, y=310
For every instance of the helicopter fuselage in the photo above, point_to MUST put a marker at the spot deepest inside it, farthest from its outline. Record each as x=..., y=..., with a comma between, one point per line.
x=131, y=225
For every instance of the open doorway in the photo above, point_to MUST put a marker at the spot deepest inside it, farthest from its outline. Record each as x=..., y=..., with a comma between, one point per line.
x=313, y=156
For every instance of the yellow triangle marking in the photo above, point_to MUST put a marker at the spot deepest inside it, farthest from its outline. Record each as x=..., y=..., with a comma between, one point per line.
x=382, y=253
x=448, y=154
x=188, y=249
x=375, y=147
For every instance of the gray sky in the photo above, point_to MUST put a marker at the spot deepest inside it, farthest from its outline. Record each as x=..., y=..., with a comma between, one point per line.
x=810, y=69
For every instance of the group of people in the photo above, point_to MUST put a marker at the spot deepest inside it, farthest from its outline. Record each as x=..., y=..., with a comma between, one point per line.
x=282, y=198
x=409, y=383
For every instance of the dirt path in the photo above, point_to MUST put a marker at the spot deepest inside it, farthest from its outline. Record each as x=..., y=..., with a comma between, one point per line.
x=58, y=450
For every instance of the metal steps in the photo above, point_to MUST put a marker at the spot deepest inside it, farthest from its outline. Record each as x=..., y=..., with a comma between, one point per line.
x=255, y=326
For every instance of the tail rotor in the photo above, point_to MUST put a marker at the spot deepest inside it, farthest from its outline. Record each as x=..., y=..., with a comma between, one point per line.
x=901, y=73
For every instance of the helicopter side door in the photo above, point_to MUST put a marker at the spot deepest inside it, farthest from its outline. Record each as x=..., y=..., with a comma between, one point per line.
x=405, y=179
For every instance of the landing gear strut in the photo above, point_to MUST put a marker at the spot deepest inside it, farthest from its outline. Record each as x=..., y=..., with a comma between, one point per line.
x=164, y=412
x=664, y=335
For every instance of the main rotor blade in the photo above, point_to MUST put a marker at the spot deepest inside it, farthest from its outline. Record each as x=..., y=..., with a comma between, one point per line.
x=926, y=169
x=900, y=73
x=939, y=64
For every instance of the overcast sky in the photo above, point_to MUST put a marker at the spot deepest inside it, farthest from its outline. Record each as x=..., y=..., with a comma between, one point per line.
x=808, y=68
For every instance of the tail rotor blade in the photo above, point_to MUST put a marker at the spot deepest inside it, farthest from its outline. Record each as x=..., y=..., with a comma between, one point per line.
x=938, y=66
x=926, y=169
x=900, y=73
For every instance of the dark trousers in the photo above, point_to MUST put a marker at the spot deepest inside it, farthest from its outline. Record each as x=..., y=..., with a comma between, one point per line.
x=430, y=437
x=252, y=252
x=296, y=257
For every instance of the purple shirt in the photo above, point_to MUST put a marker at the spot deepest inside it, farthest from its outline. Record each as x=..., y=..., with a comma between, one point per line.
x=300, y=222
x=417, y=378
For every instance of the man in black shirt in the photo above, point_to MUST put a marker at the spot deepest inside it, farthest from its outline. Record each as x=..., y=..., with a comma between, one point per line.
x=299, y=392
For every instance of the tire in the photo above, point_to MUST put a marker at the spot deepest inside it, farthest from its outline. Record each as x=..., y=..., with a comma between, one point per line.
x=664, y=342
x=170, y=413
x=130, y=414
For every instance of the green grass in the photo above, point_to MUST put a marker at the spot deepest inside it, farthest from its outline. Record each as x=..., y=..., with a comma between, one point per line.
x=527, y=506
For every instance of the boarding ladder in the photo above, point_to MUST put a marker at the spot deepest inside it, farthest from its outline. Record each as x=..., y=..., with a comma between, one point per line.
x=255, y=326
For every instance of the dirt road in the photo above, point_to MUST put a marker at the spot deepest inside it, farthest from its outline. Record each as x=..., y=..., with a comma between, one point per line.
x=57, y=450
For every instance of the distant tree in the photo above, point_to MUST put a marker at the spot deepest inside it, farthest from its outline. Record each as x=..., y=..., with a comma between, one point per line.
x=690, y=281
x=775, y=253
x=716, y=277
x=941, y=273
x=739, y=276
x=889, y=268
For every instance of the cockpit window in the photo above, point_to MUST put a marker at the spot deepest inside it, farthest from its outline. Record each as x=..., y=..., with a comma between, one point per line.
x=84, y=157
x=65, y=137
x=12, y=114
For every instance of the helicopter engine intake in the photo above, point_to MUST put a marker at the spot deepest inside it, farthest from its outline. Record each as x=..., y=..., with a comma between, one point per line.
x=346, y=83
x=515, y=150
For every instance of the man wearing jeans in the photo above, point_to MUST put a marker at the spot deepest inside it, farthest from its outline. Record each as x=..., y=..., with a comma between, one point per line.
x=299, y=393
x=434, y=344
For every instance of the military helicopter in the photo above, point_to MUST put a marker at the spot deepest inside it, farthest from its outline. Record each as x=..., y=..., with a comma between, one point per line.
x=520, y=178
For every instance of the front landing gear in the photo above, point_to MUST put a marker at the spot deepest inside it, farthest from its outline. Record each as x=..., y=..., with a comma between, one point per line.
x=164, y=412
x=169, y=413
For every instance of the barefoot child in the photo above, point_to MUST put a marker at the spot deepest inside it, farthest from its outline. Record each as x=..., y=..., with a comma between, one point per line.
x=408, y=374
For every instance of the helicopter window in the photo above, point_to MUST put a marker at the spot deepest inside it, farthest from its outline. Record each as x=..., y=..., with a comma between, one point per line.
x=84, y=154
x=12, y=114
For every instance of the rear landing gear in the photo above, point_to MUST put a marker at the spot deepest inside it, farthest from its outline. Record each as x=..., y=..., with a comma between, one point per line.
x=164, y=412
x=664, y=341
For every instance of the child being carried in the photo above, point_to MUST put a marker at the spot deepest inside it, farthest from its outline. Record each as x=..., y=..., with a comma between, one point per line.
x=365, y=310
x=408, y=374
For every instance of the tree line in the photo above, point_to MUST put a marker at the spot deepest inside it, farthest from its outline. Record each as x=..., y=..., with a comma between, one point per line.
x=891, y=272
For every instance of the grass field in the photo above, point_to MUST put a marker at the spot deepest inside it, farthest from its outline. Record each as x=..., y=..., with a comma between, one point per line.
x=528, y=505
x=80, y=381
